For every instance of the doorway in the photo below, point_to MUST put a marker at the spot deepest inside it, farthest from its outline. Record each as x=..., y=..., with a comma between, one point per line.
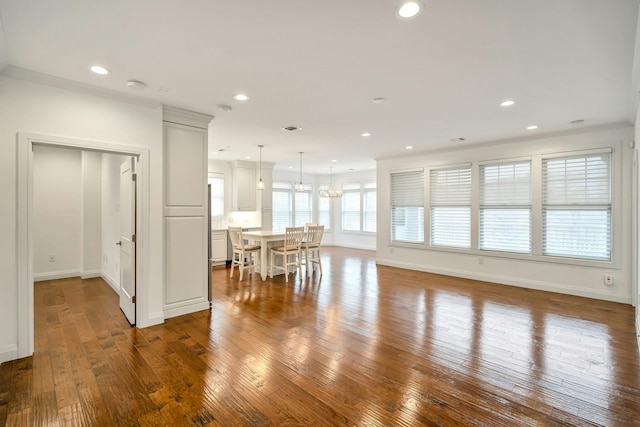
x=24, y=254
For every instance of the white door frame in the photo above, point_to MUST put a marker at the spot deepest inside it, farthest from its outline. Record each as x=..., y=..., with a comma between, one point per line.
x=24, y=238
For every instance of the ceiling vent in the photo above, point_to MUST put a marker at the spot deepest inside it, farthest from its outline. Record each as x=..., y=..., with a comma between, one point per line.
x=292, y=128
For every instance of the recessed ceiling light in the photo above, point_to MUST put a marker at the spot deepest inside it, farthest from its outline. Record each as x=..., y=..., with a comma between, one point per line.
x=409, y=9
x=409, y=147
x=576, y=122
x=215, y=153
x=457, y=139
x=365, y=134
x=224, y=107
x=291, y=128
x=378, y=100
x=507, y=103
x=99, y=70
x=532, y=127
x=240, y=97
x=247, y=157
x=334, y=161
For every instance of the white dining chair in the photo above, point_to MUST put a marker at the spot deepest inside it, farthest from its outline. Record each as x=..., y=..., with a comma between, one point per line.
x=291, y=252
x=311, y=248
x=244, y=256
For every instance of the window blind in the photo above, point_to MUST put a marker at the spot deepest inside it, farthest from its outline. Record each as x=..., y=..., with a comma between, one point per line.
x=369, y=207
x=576, y=193
x=450, y=191
x=505, y=207
x=351, y=207
x=282, y=215
x=407, y=206
x=303, y=212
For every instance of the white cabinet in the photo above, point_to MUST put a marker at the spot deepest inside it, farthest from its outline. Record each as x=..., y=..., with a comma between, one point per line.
x=219, y=246
x=244, y=185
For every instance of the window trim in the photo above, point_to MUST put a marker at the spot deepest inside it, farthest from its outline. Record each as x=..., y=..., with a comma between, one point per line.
x=360, y=190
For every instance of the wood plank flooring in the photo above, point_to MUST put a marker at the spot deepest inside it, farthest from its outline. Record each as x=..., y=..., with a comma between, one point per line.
x=364, y=345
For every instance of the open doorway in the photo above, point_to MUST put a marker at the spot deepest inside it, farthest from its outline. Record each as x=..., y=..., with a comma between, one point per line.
x=25, y=216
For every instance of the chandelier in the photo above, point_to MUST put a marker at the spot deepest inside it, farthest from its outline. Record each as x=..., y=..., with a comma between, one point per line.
x=330, y=192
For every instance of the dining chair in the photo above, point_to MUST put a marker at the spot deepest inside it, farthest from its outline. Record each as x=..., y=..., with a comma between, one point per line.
x=311, y=248
x=291, y=252
x=244, y=256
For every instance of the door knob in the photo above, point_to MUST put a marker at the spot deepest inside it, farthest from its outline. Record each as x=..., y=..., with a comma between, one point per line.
x=119, y=243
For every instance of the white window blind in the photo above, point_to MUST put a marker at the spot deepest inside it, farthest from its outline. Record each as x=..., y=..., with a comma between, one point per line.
x=351, y=207
x=217, y=196
x=450, y=191
x=282, y=206
x=369, y=206
x=407, y=206
x=505, y=207
x=303, y=212
x=576, y=193
x=324, y=209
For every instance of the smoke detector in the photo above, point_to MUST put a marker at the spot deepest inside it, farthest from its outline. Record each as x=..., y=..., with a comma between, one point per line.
x=135, y=84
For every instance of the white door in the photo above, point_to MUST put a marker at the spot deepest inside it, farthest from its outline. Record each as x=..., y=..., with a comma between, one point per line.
x=128, y=240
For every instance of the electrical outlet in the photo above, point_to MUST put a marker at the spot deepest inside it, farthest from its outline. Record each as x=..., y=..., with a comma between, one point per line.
x=52, y=258
x=480, y=260
x=608, y=279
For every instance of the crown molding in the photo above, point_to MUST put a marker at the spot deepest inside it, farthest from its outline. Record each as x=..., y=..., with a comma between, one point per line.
x=185, y=117
x=58, y=82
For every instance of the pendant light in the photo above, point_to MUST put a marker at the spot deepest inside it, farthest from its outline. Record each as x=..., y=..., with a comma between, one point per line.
x=260, y=185
x=330, y=192
x=299, y=185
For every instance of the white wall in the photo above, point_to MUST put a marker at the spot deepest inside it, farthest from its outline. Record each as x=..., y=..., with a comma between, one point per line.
x=57, y=212
x=110, y=230
x=538, y=273
x=26, y=106
x=91, y=214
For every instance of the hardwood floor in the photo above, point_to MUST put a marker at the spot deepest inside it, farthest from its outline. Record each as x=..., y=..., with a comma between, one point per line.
x=365, y=345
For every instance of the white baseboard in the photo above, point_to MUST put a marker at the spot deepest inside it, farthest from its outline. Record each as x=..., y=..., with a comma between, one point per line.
x=8, y=352
x=506, y=280
x=90, y=274
x=185, y=309
x=114, y=285
x=54, y=275
x=351, y=246
x=154, y=319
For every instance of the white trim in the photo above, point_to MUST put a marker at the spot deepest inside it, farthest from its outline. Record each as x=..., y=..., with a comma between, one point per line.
x=24, y=244
x=114, y=285
x=8, y=352
x=186, y=309
x=55, y=275
x=154, y=319
x=352, y=246
x=48, y=80
x=505, y=280
x=91, y=274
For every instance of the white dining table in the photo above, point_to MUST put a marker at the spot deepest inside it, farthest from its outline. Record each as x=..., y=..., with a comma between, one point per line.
x=266, y=239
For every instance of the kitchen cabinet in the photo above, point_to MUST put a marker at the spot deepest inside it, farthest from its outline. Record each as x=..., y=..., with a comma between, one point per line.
x=244, y=185
x=219, y=246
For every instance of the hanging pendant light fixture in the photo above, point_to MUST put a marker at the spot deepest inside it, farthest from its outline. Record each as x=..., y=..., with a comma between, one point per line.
x=260, y=185
x=330, y=192
x=299, y=185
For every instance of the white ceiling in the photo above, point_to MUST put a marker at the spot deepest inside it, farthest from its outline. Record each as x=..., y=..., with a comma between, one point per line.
x=318, y=65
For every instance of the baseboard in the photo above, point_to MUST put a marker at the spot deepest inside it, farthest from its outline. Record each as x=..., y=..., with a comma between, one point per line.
x=90, y=274
x=114, y=285
x=506, y=280
x=185, y=309
x=154, y=319
x=8, y=352
x=351, y=246
x=55, y=275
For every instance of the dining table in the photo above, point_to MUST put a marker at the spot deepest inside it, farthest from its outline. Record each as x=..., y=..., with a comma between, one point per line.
x=266, y=239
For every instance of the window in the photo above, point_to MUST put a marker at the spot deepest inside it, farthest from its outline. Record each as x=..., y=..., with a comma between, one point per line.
x=505, y=207
x=291, y=208
x=282, y=209
x=359, y=207
x=369, y=207
x=324, y=209
x=303, y=212
x=576, y=211
x=451, y=207
x=217, y=195
x=407, y=206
